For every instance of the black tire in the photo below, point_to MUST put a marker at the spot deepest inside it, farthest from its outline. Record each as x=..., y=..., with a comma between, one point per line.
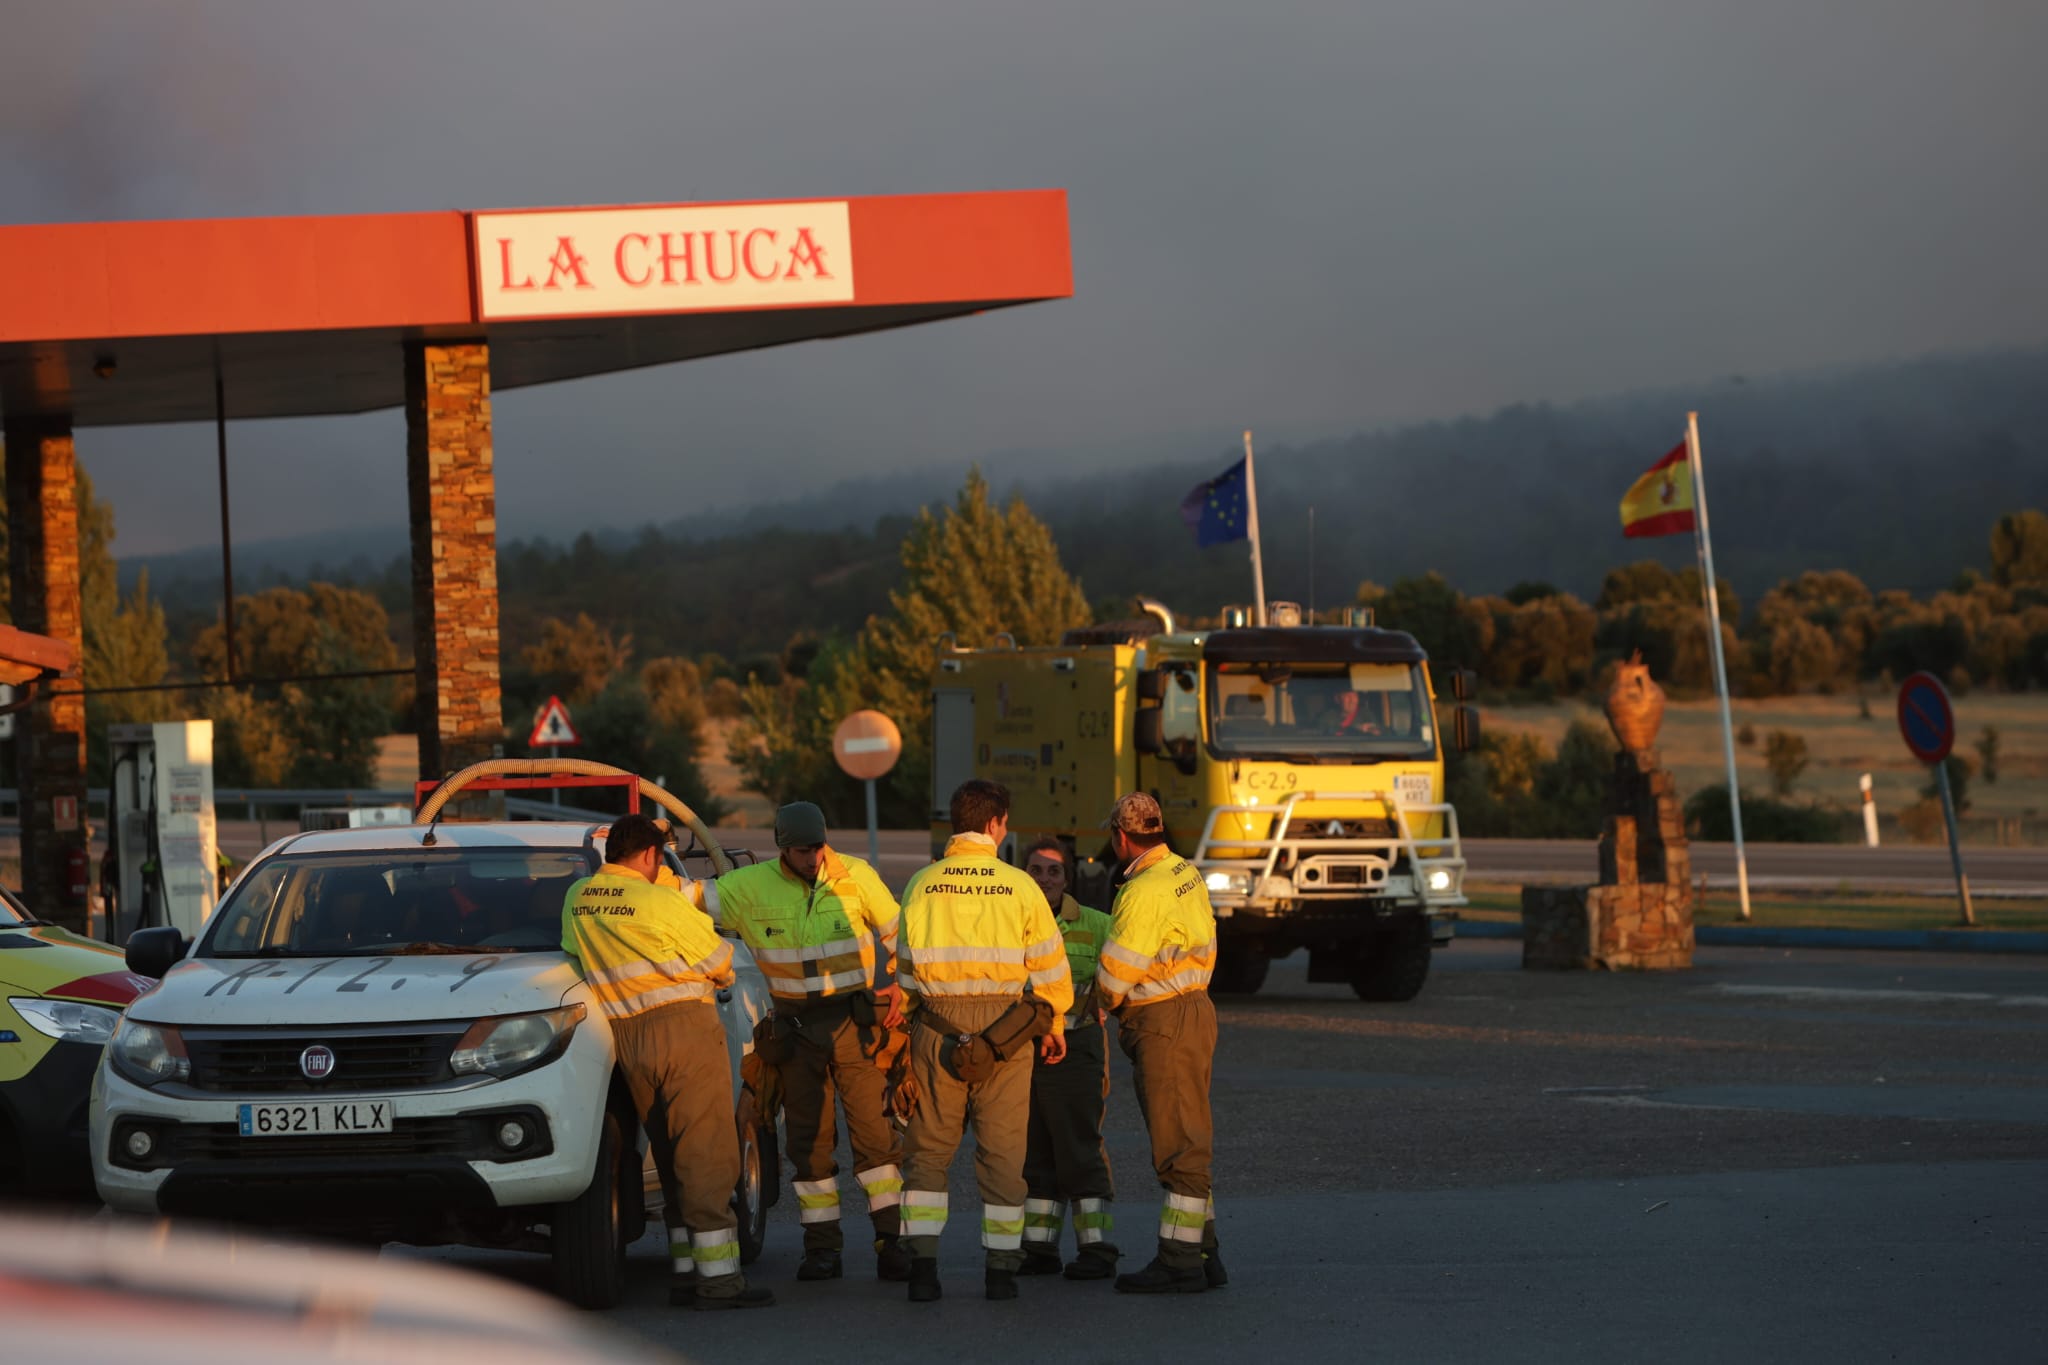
x=1392, y=968
x=1240, y=970
x=588, y=1234
x=750, y=1196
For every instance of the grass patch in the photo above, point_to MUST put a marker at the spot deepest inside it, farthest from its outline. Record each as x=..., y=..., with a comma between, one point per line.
x=1838, y=909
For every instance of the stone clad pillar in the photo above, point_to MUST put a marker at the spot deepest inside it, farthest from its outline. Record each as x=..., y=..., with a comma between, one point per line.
x=42, y=554
x=453, y=498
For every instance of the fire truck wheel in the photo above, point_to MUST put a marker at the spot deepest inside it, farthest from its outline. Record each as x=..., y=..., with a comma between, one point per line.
x=1240, y=969
x=1392, y=967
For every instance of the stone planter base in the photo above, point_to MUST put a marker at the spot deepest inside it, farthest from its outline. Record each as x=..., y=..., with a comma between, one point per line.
x=1646, y=927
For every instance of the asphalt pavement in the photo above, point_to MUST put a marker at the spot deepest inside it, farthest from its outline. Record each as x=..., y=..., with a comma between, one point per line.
x=1777, y=1155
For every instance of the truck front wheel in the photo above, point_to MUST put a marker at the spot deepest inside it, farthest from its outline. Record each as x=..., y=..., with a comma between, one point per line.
x=1240, y=969
x=1391, y=967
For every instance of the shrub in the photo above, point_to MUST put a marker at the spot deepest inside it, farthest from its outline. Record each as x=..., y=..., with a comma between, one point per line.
x=1785, y=755
x=1765, y=820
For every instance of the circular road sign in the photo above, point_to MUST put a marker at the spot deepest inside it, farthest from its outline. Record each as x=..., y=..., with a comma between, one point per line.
x=1925, y=717
x=867, y=744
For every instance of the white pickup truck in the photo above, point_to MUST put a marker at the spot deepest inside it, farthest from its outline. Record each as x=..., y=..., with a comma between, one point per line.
x=377, y=1035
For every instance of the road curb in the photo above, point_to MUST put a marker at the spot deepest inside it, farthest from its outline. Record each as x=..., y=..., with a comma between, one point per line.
x=1906, y=940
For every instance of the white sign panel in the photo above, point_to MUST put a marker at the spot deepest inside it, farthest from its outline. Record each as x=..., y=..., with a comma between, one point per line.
x=652, y=259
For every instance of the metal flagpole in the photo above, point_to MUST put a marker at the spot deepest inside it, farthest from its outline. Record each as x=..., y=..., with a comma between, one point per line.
x=1251, y=507
x=1706, y=548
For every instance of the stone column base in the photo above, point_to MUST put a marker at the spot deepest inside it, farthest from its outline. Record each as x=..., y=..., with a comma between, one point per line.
x=1646, y=927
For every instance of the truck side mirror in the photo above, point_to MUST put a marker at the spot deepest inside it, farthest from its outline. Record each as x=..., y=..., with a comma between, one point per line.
x=1148, y=730
x=152, y=952
x=1466, y=724
x=1464, y=682
x=1152, y=685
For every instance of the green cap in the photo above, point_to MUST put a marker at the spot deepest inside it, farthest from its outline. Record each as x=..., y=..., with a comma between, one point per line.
x=799, y=825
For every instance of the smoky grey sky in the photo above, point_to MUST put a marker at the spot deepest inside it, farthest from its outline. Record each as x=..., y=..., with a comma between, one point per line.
x=1305, y=218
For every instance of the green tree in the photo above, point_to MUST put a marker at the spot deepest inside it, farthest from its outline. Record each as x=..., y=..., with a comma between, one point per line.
x=1987, y=754
x=2019, y=548
x=973, y=571
x=1785, y=755
x=1452, y=631
x=576, y=660
x=291, y=726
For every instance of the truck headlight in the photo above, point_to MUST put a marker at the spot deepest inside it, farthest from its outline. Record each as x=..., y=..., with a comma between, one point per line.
x=149, y=1054
x=511, y=1043
x=68, y=1021
x=1230, y=883
x=1440, y=880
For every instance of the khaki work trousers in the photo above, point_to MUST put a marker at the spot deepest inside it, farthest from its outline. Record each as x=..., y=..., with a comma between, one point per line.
x=826, y=1058
x=675, y=1063
x=1000, y=1110
x=1064, y=1159
x=1172, y=1047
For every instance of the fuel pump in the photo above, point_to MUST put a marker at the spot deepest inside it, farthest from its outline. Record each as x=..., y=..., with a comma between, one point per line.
x=163, y=834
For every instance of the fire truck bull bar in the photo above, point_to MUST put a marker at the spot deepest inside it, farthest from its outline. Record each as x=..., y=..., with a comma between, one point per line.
x=1427, y=871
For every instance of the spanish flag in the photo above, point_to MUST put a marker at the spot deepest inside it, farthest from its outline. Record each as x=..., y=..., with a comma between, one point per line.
x=1660, y=502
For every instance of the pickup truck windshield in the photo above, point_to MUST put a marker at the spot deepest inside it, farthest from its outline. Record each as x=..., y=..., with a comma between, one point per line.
x=420, y=900
x=1320, y=713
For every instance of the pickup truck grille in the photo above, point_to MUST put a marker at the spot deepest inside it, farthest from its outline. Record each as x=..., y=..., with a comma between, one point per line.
x=266, y=1062
x=457, y=1137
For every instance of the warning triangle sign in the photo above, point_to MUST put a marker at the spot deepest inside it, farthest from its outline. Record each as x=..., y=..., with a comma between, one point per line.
x=551, y=726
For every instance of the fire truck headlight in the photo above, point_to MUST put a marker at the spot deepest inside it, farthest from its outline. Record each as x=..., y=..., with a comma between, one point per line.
x=1229, y=883
x=1440, y=880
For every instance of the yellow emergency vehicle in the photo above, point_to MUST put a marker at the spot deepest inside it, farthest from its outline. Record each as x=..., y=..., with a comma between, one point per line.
x=1300, y=767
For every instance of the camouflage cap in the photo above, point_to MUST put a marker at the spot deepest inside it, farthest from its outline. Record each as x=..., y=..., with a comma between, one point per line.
x=1136, y=813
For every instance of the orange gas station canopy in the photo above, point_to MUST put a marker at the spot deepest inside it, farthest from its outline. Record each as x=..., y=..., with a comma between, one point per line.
x=116, y=323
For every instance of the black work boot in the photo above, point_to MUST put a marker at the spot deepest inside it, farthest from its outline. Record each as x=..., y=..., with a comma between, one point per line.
x=1097, y=1262
x=1161, y=1278
x=999, y=1284
x=892, y=1262
x=1213, y=1271
x=924, y=1279
x=753, y=1296
x=1038, y=1262
x=820, y=1264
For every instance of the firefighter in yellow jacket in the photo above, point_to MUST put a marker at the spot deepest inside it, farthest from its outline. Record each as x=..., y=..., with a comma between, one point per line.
x=820, y=923
x=656, y=964
x=1154, y=976
x=976, y=937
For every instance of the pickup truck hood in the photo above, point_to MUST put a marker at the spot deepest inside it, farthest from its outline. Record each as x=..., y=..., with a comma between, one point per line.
x=356, y=990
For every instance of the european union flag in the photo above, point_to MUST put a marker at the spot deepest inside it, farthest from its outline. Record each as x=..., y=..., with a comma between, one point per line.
x=1215, y=508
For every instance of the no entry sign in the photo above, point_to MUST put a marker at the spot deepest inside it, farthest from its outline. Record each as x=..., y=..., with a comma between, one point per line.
x=1925, y=717
x=867, y=744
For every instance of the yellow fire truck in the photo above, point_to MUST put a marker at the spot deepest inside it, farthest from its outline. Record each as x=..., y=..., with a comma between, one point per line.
x=1300, y=767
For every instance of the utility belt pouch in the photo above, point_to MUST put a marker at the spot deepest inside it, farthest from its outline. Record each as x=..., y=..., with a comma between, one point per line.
x=1029, y=1018
x=862, y=1003
x=771, y=1039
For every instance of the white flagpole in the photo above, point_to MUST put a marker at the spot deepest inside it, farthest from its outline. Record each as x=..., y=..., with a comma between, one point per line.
x=1251, y=507
x=1706, y=548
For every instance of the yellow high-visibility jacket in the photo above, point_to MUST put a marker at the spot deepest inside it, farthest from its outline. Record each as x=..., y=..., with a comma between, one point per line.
x=818, y=941
x=639, y=945
x=974, y=925
x=1162, y=934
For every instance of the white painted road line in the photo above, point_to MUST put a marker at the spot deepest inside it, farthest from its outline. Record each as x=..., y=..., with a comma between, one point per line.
x=1860, y=996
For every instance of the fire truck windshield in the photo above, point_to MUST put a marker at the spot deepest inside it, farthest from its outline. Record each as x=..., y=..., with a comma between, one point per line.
x=1320, y=712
